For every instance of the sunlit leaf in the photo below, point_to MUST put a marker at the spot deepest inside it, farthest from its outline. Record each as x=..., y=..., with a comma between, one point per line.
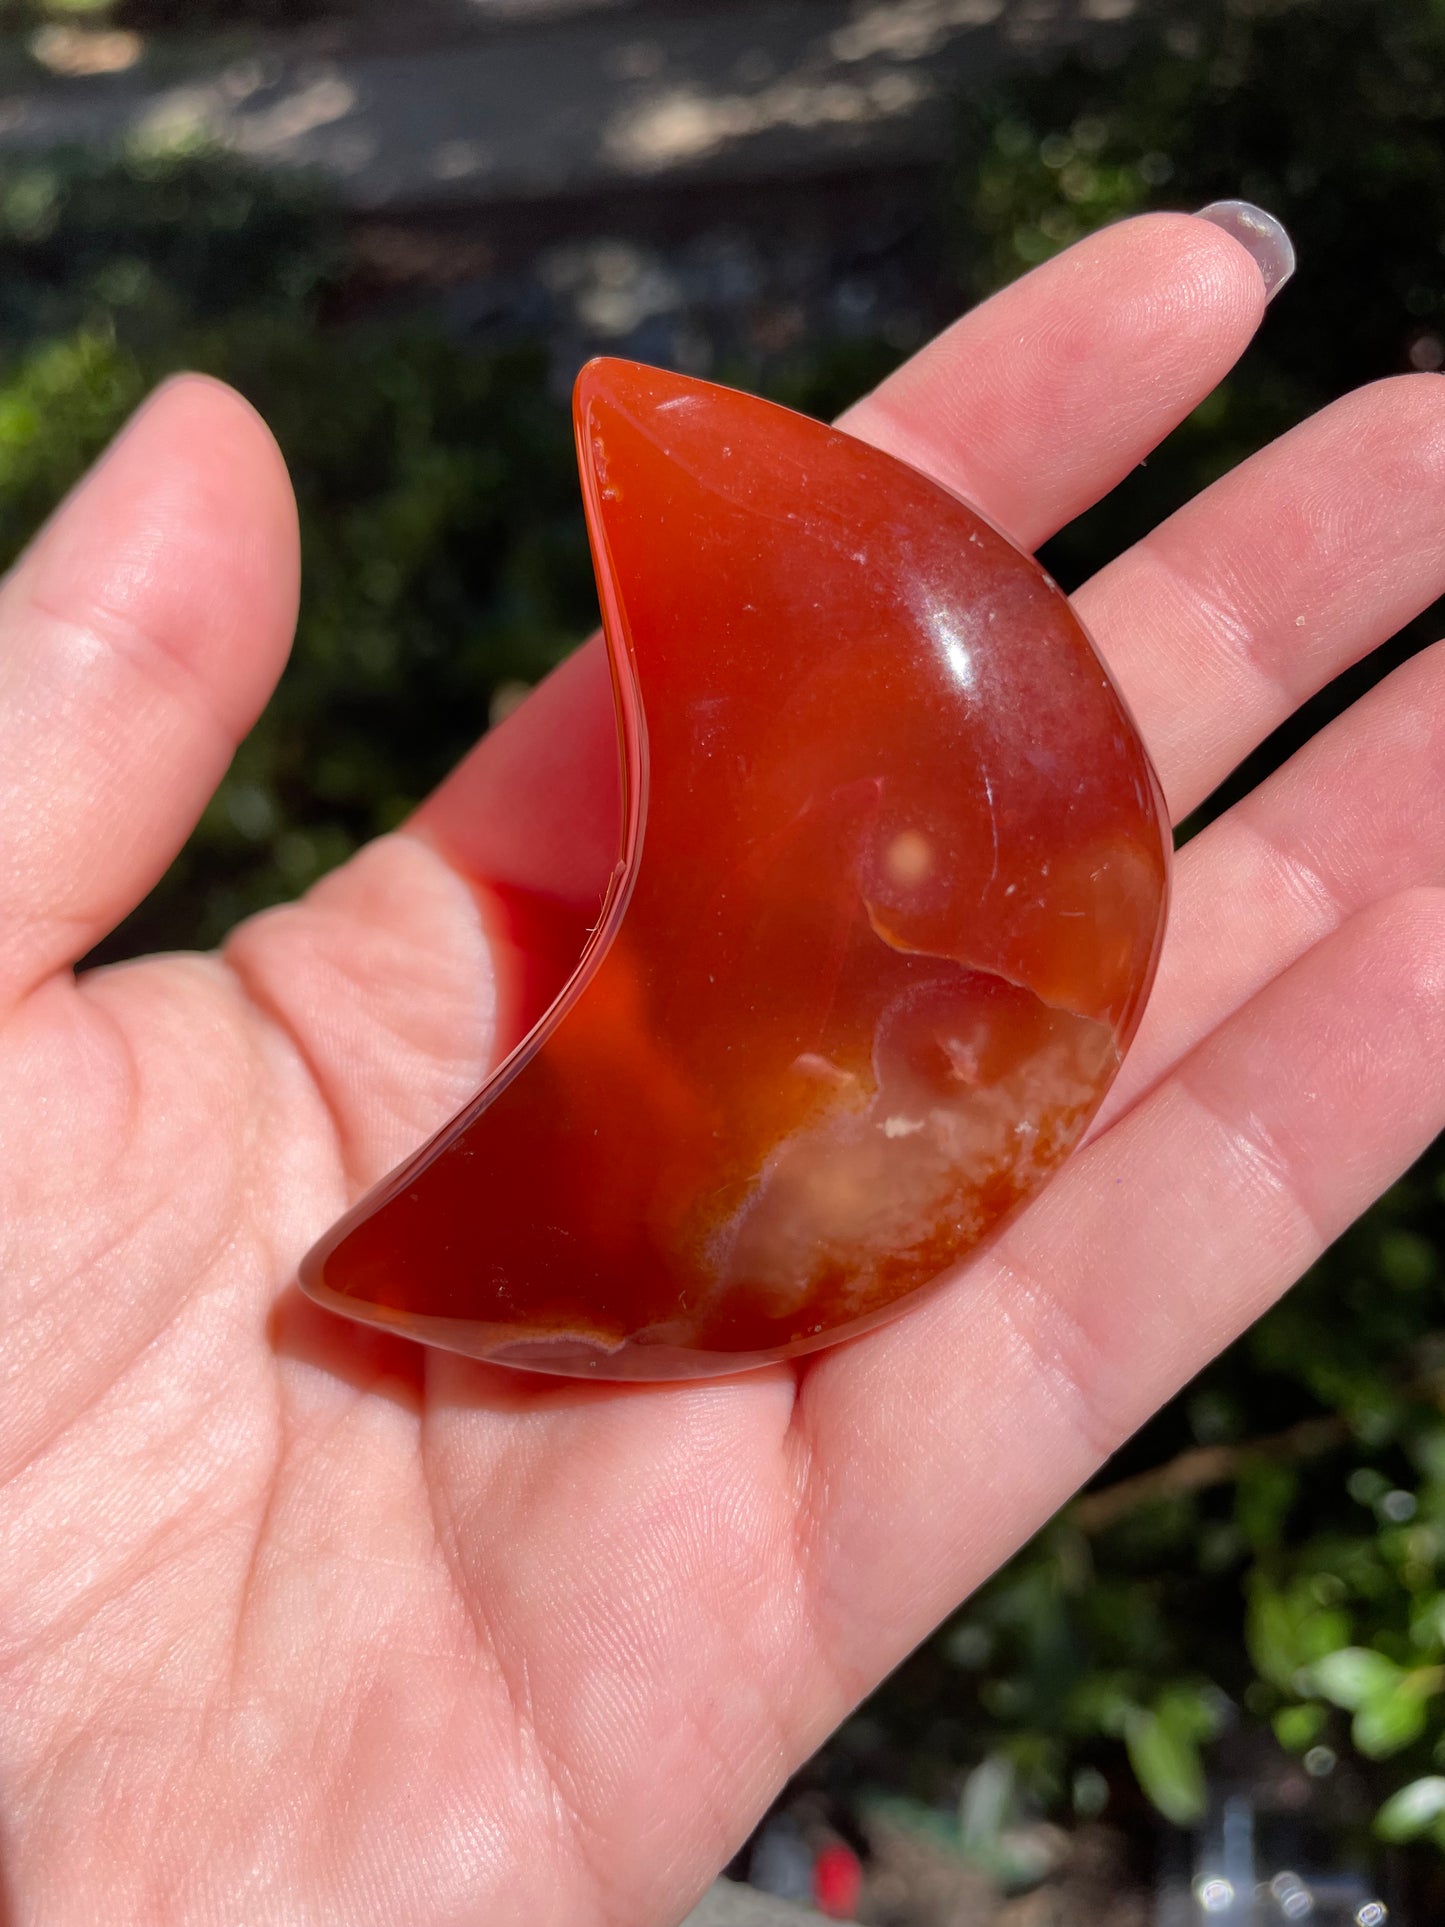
x=1354, y=1676
x=1298, y=1727
x=1411, y=1811
x=1389, y=1723
x=1167, y=1764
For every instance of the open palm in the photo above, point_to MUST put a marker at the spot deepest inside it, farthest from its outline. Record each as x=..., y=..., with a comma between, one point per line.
x=300, y=1624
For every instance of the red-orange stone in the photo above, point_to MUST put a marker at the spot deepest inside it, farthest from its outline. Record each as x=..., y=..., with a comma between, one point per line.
x=888, y=904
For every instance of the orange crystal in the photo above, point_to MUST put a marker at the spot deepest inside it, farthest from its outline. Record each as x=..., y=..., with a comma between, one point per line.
x=889, y=900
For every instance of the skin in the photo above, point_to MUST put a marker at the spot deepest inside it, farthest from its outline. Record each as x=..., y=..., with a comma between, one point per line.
x=302, y=1625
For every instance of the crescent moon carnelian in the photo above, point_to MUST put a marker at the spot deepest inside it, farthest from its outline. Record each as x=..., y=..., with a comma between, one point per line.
x=890, y=896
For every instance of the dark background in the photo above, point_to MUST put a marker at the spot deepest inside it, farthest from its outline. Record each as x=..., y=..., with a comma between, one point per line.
x=399, y=235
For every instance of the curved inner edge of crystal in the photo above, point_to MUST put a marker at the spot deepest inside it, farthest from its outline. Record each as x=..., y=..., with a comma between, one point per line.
x=848, y=1003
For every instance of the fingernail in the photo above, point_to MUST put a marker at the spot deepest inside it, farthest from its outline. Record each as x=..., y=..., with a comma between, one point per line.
x=1263, y=236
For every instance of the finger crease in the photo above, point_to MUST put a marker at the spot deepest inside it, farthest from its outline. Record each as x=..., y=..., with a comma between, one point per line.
x=170, y=669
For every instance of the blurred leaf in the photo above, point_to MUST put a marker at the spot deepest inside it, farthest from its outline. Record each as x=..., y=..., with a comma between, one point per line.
x=1263, y=1497
x=1287, y=1632
x=1195, y=1712
x=1355, y=1676
x=1167, y=1764
x=1298, y=1727
x=1412, y=1810
x=1408, y=1261
x=987, y=1800
x=1390, y=1722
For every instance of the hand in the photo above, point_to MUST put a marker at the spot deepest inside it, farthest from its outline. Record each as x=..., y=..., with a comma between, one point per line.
x=299, y=1624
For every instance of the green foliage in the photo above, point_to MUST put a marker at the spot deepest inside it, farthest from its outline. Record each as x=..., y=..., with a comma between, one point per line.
x=1163, y=1743
x=1390, y=1705
x=1417, y=1808
x=444, y=547
x=984, y=1831
x=1288, y=1632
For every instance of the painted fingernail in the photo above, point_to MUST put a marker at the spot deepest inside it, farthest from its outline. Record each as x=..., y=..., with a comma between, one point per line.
x=1261, y=234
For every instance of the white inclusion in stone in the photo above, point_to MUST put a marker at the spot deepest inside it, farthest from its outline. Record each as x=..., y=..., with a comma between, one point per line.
x=909, y=859
x=811, y=1064
x=852, y=1193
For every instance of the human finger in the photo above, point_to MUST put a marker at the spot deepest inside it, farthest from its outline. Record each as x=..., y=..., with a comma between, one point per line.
x=1357, y=814
x=1296, y=564
x=142, y=633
